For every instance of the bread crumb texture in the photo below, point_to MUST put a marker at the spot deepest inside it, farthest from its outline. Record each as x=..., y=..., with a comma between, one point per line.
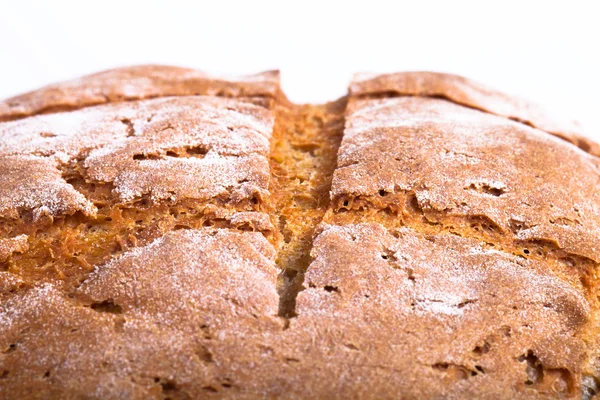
x=165, y=234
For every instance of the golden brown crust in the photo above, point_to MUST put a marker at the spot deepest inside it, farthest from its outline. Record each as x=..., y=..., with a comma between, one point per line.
x=17, y=244
x=88, y=184
x=460, y=162
x=472, y=94
x=135, y=83
x=439, y=315
x=170, y=148
x=189, y=312
x=35, y=184
x=192, y=246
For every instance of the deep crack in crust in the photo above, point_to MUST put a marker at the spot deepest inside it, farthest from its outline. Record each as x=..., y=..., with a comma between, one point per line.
x=303, y=156
x=454, y=259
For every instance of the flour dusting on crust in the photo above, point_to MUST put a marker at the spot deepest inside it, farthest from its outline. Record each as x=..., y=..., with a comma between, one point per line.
x=169, y=148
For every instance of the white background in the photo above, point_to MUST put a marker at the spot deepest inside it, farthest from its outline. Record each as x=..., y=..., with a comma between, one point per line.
x=547, y=51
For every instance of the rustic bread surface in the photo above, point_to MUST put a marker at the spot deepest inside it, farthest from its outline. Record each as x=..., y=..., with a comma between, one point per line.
x=166, y=234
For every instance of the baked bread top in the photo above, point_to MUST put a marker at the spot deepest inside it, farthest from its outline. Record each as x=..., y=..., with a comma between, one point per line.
x=165, y=234
x=135, y=83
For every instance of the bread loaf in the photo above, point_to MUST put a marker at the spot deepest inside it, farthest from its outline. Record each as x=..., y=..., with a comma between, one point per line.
x=165, y=234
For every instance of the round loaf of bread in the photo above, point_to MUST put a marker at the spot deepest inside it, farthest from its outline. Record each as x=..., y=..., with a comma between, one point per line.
x=165, y=234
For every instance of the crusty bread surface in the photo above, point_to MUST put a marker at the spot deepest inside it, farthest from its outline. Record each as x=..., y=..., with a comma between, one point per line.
x=165, y=234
